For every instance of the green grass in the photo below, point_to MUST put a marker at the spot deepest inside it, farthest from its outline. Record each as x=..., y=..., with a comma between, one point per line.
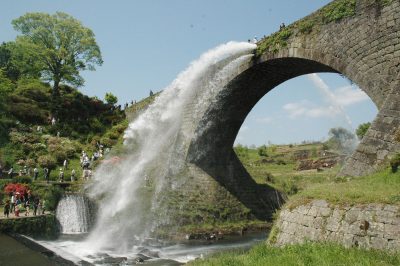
x=381, y=187
x=306, y=254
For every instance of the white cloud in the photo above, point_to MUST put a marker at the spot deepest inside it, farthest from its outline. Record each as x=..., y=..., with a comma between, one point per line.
x=307, y=109
x=350, y=95
x=264, y=120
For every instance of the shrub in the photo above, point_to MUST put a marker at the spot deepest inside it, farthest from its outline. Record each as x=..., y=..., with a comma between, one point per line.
x=262, y=151
x=47, y=161
x=306, y=26
x=338, y=10
x=395, y=163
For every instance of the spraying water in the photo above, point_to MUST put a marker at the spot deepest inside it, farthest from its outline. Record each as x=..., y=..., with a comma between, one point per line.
x=129, y=192
x=348, y=143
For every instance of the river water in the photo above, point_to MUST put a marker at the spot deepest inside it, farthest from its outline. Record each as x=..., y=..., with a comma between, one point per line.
x=154, y=252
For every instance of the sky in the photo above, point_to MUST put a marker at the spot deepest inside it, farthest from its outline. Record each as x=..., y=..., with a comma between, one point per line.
x=145, y=44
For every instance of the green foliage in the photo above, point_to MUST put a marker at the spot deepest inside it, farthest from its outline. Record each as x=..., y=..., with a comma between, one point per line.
x=43, y=227
x=275, y=41
x=111, y=98
x=7, y=65
x=59, y=44
x=52, y=196
x=310, y=254
x=262, y=151
x=305, y=26
x=395, y=163
x=47, y=161
x=338, y=10
x=381, y=187
x=362, y=130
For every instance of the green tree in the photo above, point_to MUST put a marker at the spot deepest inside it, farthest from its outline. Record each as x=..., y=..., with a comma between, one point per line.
x=60, y=44
x=111, y=98
x=362, y=130
x=11, y=71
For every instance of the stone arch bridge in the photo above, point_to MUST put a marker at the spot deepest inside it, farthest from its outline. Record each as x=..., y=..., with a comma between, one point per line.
x=363, y=45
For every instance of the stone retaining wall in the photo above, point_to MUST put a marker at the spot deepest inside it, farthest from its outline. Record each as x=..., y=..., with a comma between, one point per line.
x=375, y=226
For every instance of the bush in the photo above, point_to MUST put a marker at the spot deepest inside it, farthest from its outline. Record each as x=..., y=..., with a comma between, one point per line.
x=269, y=178
x=395, y=163
x=338, y=10
x=47, y=161
x=262, y=151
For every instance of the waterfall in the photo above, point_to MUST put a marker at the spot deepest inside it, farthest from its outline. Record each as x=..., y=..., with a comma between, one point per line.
x=128, y=193
x=73, y=214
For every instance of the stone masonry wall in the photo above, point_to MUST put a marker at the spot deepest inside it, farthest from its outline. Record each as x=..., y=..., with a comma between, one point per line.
x=375, y=226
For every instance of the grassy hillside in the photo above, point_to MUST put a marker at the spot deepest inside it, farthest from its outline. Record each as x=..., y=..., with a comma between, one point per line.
x=306, y=254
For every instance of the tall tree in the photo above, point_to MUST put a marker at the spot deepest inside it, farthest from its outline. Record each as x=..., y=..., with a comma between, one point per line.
x=60, y=44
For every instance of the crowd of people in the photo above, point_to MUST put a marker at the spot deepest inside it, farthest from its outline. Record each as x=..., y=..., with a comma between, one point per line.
x=23, y=202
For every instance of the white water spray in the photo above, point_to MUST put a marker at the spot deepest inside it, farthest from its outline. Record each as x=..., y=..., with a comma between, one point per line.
x=128, y=191
x=73, y=214
x=351, y=143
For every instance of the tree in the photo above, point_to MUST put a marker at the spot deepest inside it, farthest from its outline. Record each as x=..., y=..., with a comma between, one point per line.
x=111, y=98
x=362, y=130
x=6, y=61
x=60, y=44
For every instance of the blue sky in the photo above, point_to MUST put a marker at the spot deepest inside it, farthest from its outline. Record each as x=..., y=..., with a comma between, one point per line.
x=145, y=44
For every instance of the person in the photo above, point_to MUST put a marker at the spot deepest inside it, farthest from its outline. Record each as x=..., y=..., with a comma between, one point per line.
x=53, y=121
x=35, y=206
x=46, y=174
x=16, y=212
x=39, y=207
x=27, y=205
x=43, y=206
x=282, y=26
x=58, y=134
x=7, y=209
x=12, y=203
x=65, y=164
x=61, y=175
x=151, y=93
x=20, y=172
x=35, y=173
x=255, y=40
x=11, y=172
x=25, y=171
x=73, y=175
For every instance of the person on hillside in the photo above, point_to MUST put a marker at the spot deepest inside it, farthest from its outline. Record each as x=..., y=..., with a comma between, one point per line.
x=7, y=209
x=27, y=210
x=65, y=164
x=61, y=175
x=35, y=206
x=46, y=173
x=20, y=172
x=25, y=170
x=11, y=172
x=16, y=212
x=35, y=173
x=43, y=206
x=12, y=202
x=53, y=121
x=282, y=26
x=255, y=40
x=73, y=175
x=151, y=93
